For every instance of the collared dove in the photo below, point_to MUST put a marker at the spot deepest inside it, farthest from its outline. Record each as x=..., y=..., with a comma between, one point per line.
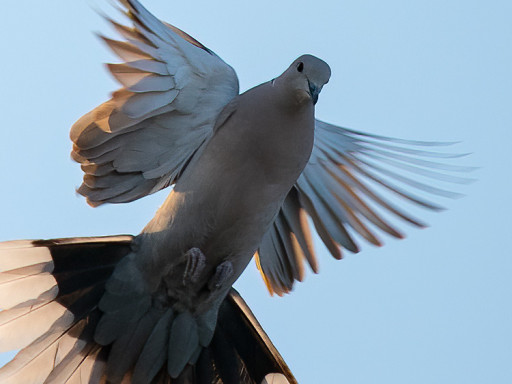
x=247, y=172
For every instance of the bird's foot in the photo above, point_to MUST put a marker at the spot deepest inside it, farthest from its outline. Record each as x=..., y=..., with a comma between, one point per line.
x=223, y=273
x=196, y=261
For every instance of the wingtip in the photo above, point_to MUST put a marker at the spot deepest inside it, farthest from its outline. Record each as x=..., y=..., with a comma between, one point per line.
x=91, y=203
x=97, y=10
x=338, y=255
x=468, y=180
x=80, y=192
x=114, y=4
x=421, y=225
x=446, y=143
x=103, y=39
x=456, y=195
x=379, y=243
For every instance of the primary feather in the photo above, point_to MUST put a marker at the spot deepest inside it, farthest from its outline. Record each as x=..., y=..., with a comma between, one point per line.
x=173, y=90
x=336, y=191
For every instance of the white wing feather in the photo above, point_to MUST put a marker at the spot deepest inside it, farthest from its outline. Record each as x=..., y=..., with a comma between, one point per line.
x=173, y=89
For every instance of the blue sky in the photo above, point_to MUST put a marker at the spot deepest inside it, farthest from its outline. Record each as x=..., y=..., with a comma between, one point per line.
x=433, y=308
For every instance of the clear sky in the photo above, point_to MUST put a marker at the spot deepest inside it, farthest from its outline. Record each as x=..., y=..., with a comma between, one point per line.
x=434, y=308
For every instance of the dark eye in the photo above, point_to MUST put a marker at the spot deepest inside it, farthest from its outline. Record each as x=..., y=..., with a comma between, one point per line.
x=300, y=66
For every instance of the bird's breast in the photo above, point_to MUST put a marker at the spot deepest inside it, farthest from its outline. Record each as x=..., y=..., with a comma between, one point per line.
x=271, y=141
x=229, y=195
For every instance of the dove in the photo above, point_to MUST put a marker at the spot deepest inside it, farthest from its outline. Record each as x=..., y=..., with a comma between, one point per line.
x=249, y=173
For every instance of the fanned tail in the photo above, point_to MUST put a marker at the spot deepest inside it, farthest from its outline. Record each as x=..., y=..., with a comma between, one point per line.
x=49, y=295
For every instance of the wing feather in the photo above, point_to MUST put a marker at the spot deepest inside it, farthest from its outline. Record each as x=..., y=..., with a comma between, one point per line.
x=342, y=191
x=140, y=141
x=293, y=213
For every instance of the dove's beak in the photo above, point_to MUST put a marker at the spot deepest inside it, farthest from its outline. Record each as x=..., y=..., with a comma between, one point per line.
x=314, y=91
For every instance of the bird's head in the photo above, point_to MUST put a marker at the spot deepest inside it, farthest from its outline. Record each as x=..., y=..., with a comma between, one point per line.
x=305, y=77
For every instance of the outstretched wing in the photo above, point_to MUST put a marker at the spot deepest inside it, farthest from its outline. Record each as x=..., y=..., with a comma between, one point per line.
x=173, y=90
x=339, y=191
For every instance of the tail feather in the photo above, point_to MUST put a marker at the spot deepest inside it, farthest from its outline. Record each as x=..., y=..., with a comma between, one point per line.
x=152, y=356
x=25, y=272
x=42, y=356
x=127, y=349
x=92, y=368
x=56, y=309
x=205, y=368
x=19, y=254
x=21, y=326
x=21, y=289
x=183, y=341
x=50, y=325
x=113, y=323
x=253, y=346
x=72, y=364
x=226, y=361
x=81, y=345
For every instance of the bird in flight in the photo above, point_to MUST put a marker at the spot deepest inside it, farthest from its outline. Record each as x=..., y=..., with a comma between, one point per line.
x=250, y=173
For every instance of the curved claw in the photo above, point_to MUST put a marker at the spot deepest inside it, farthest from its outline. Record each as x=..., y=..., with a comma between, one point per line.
x=223, y=272
x=196, y=261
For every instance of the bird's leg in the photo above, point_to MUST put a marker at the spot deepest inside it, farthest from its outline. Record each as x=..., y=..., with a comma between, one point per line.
x=196, y=261
x=223, y=273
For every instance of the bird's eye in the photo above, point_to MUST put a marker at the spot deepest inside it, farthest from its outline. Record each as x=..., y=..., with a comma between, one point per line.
x=300, y=66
